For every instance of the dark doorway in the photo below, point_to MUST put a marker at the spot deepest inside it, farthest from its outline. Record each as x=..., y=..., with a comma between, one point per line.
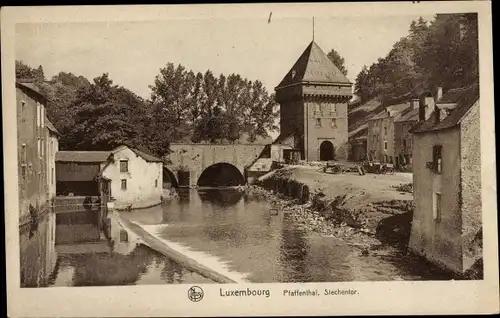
x=183, y=177
x=326, y=151
x=169, y=179
x=221, y=175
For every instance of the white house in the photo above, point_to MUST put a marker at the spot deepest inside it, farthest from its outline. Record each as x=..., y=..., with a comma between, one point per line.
x=134, y=177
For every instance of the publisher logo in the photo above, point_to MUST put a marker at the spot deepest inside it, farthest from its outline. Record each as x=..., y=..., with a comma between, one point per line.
x=195, y=293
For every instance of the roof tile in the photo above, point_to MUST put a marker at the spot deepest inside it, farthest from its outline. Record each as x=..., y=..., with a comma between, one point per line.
x=314, y=66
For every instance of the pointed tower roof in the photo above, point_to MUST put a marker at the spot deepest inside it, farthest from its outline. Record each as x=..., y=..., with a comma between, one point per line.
x=314, y=66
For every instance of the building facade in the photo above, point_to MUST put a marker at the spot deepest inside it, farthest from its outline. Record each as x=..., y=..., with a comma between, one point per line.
x=381, y=135
x=34, y=137
x=313, y=99
x=135, y=178
x=447, y=221
x=76, y=172
x=52, y=137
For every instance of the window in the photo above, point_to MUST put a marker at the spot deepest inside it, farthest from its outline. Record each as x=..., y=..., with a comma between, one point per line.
x=385, y=145
x=404, y=143
x=436, y=206
x=390, y=160
x=38, y=114
x=318, y=122
x=385, y=131
x=23, y=154
x=52, y=176
x=317, y=108
x=123, y=236
x=39, y=146
x=437, y=158
x=334, y=123
x=156, y=183
x=42, y=116
x=123, y=165
x=333, y=108
x=124, y=184
x=404, y=127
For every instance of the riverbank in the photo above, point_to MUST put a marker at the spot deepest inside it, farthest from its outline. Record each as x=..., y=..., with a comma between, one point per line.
x=364, y=211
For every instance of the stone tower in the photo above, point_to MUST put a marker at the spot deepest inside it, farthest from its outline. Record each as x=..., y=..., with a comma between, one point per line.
x=313, y=98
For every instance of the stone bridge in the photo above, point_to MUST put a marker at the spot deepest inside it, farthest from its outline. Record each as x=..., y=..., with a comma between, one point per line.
x=204, y=164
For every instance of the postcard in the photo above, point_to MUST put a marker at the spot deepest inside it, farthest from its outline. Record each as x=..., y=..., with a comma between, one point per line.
x=250, y=159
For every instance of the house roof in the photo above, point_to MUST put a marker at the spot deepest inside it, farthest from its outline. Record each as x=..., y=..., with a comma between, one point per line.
x=396, y=109
x=313, y=66
x=465, y=98
x=82, y=156
x=30, y=86
x=51, y=127
x=410, y=114
x=146, y=156
x=141, y=154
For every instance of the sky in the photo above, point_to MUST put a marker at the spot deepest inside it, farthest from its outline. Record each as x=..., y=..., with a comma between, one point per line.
x=133, y=52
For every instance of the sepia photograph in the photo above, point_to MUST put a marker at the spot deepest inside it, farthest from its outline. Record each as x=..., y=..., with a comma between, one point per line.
x=269, y=148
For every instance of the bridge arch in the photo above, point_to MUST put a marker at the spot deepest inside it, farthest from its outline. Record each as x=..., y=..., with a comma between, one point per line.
x=221, y=174
x=169, y=178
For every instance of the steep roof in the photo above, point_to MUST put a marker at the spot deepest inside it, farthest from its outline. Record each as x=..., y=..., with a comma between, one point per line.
x=83, y=156
x=143, y=155
x=30, y=86
x=396, y=109
x=410, y=114
x=313, y=66
x=465, y=98
x=146, y=156
x=51, y=127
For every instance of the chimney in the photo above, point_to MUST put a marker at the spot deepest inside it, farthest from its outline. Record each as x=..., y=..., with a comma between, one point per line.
x=437, y=115
x=439, y=93
x=421, y=109
x=414, y=103
x=430, y=105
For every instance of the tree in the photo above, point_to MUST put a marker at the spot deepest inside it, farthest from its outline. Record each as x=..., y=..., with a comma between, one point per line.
x=106, y=116
x=25, y=72
x=442, y=53
x=339, y=61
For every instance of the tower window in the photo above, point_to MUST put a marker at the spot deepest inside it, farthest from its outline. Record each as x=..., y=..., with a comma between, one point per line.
x=317, y=108
x=333, y=108
x=124, y=184
x=318, y=122
x=334, y=123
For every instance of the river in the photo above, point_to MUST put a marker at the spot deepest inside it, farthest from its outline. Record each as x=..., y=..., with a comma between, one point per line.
x=226, y=230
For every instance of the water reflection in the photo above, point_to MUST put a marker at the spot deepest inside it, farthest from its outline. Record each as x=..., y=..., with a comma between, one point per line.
x=122, y=261
x=239, y=230
x=226, y=198
x=293, y=255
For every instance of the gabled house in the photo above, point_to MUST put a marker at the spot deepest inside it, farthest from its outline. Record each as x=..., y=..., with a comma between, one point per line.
x=134, y=178
x=129, y=177
x=447, y=220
